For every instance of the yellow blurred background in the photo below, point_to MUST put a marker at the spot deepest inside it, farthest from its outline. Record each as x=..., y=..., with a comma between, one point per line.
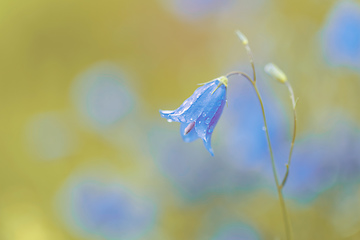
x=86, y=155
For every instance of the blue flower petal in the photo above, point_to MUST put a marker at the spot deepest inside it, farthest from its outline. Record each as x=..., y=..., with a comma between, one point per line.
x=207, y=144
x=213, y=122
x=218, y=98
x=193, y=106
x=199, y=113
x=190, y=136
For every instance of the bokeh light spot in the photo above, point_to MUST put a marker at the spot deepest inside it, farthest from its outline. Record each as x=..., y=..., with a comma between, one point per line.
x=341, y=35
x=94, y=204
x=100, y=95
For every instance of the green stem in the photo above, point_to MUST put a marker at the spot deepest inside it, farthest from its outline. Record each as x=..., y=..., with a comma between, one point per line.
x=244, y=41
x=292, y=96
x=278, y=187
x=288, y=231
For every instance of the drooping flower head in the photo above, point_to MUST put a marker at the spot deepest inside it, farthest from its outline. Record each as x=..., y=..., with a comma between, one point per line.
x=200, y=113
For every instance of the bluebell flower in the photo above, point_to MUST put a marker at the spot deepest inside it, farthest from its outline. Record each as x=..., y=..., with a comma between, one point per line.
x=340, y=36
x=200, y=113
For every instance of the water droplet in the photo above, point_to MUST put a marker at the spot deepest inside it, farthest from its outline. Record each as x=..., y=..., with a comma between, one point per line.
x=207, y=121
x=169, y=120
x=182, y=118
x=199, y=122
x=204, y=115
x=264, y=128
x=211, y=129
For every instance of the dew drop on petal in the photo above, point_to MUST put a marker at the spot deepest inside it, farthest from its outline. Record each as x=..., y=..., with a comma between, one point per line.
x=211, y=129
x=181, y=118
x=169, y=120
x=199, y=122
x=207, y=121
x=204, y=114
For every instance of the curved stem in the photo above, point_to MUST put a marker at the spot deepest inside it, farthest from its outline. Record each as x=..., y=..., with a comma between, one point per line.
x=245, y=42
x=251, y=58
x=239, y=73
x=278, y=187
x=292, y=96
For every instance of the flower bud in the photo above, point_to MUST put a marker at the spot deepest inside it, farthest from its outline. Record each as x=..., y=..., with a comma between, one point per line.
x=242, y=37
x=275, y=72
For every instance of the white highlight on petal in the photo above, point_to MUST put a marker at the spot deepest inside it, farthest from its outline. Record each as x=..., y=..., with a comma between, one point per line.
x=166, y=111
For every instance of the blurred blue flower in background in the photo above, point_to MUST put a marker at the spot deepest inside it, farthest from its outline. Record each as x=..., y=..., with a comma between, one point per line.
x=101, y=96
x=200, y=113
x=94, y=205
x=345, y=150
x=195, y=174
x=313, y=169
x=341, y=35
x=321, y=161
x=245, y=140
